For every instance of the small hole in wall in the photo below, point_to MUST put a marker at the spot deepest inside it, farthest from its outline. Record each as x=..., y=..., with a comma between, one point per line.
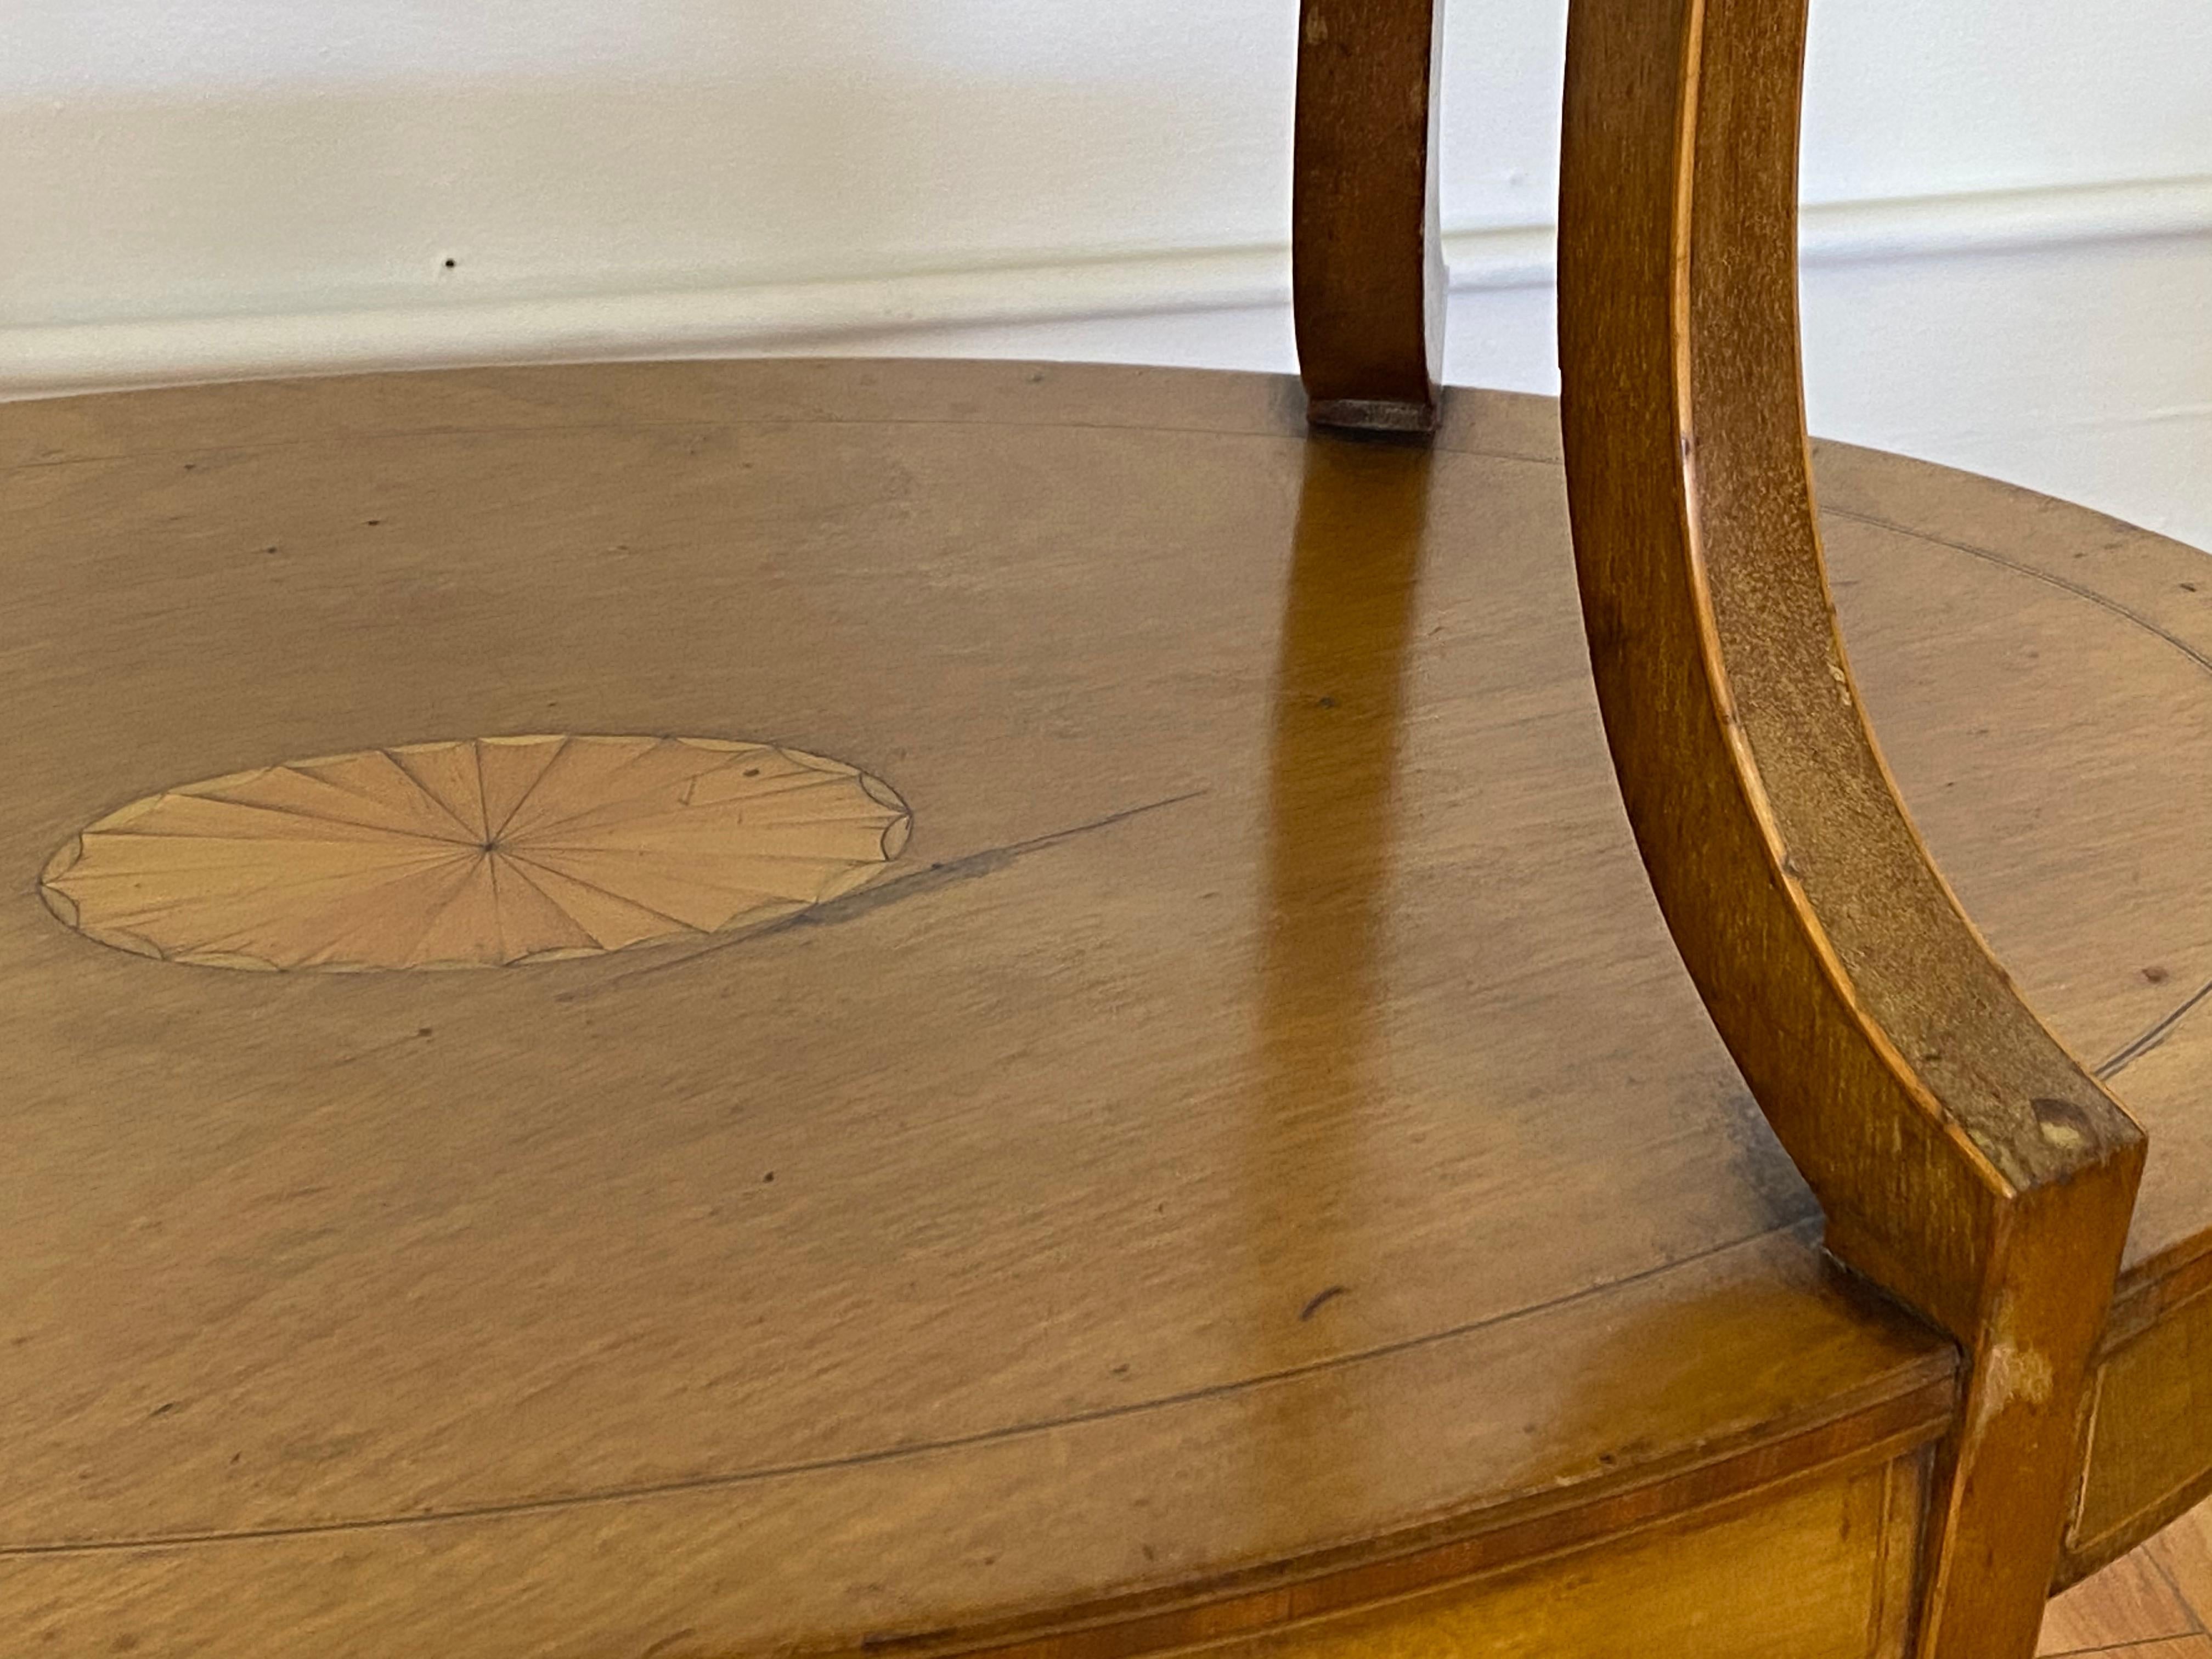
x=450, y=263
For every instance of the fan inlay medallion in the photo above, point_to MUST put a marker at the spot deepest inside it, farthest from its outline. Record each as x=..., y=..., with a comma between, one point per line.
x=475, y=853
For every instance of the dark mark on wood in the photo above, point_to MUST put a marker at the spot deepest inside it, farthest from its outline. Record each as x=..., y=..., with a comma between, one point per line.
x=1321, y=1300
x=2149, y=1040
x=882, y=1643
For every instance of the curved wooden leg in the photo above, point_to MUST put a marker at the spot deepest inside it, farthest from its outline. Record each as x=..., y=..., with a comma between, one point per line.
x=1368, y=275
x=1966, y=1161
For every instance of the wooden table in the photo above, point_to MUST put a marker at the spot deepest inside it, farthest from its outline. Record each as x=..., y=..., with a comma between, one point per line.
x=1239, y=1161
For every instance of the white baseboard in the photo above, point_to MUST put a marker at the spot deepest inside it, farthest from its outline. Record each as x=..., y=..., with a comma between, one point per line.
x=42, y=360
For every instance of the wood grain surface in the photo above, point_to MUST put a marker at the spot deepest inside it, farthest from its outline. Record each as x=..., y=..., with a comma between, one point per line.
x=2154, y=1604
x=1253, y=1156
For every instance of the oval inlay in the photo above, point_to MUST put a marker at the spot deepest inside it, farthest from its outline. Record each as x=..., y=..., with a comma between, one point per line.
x=475, y=854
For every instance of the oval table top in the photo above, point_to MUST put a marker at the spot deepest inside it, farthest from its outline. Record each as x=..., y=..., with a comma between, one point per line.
x=1201, y=1092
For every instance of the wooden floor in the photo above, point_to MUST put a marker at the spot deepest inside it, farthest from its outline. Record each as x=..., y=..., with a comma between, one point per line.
x=2154, y=1604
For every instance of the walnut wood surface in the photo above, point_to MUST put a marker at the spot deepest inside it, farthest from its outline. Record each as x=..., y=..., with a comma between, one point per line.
x=1367, y=257
x=1115, y=1278
x=1965, y=1159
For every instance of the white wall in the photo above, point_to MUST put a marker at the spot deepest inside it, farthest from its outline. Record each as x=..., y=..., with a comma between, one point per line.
x=2010, y=239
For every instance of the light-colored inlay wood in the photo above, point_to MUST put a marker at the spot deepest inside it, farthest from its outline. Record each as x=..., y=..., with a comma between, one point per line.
x=475, y=853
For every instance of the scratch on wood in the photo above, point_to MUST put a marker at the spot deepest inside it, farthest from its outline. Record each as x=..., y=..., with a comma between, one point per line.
x=1321, y=1300
x=865, y=900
